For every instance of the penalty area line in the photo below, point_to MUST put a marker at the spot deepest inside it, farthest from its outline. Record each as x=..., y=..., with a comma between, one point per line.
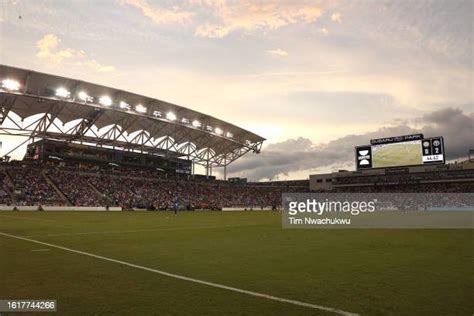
x=184, y=278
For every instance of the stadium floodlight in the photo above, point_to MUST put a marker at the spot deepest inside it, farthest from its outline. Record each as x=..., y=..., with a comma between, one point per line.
x=209, y=128
x=62, y=92
x=157, y=113
x=140, y=108
x=185, y=120
x=229, y=135
x=124, y=105
x=218, y=131
x=10, y=84
x=85, y=97
x=171, y=116
x=197, y=124
x=105, y=100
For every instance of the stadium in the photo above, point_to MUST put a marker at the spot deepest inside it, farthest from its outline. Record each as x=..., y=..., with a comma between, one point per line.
x=105, y=214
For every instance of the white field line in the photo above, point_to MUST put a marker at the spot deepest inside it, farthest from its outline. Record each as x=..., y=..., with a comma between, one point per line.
x=29, y=218
x=184, y=278
x=136, y=231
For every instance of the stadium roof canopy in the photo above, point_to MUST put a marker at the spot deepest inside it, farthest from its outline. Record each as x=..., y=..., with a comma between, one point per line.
x=111, y=117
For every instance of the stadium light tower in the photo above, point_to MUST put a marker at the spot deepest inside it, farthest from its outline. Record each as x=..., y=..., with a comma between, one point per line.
x=62, y=92
x=10, y=84
x=105, y=100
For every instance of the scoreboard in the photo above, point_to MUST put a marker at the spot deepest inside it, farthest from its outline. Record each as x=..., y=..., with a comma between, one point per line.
x=406, y=150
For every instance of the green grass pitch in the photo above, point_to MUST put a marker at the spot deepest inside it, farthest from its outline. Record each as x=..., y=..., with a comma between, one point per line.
x=370, y=272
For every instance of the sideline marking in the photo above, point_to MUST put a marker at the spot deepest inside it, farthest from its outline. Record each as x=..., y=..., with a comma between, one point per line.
x=135, y=231
x=180, y=277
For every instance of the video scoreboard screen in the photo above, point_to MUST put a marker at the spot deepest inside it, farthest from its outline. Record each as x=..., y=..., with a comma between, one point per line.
x=407, y=150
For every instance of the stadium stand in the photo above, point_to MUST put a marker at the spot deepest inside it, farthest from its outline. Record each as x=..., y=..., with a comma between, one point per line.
x=31, y=187
x=129, y=188
x=39, y=183
x=5, y=188
x=78, y=192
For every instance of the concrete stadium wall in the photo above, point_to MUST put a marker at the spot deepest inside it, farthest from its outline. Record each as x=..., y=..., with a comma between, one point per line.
x=27, y=208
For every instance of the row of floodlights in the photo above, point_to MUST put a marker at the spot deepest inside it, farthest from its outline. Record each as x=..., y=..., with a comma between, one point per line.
x=63, y=93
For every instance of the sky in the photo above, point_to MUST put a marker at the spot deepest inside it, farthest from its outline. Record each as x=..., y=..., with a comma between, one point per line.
x=315, y=78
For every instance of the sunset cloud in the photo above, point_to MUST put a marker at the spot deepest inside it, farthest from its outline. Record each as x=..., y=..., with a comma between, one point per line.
x=219, y=18
x=278, y=52
x=248, y=16
x=161, y=15
x=48, y=49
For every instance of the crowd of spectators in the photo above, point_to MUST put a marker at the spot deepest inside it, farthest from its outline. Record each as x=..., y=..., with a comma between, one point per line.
x=133, y=192
x=31, y=187
x=5, y=187
x=46, y=184
x=131, y=189
x=75, y=187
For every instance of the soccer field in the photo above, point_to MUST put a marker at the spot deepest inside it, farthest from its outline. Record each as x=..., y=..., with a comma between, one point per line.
x=115, y=263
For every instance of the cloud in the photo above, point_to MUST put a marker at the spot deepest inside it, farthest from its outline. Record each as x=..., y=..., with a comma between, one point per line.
x=219, y=18
x=278, y=52
x=49, y=50
x=456, y=126
x=336, y=17
x=301, y=153
x=323, y=31
x=251, y=16
x=161, y=15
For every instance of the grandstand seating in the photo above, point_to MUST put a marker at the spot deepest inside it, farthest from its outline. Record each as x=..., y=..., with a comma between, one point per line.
x=31, y=188
x=47, y=184
x=4, y=190
x=130, y=189
x=75, y=188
